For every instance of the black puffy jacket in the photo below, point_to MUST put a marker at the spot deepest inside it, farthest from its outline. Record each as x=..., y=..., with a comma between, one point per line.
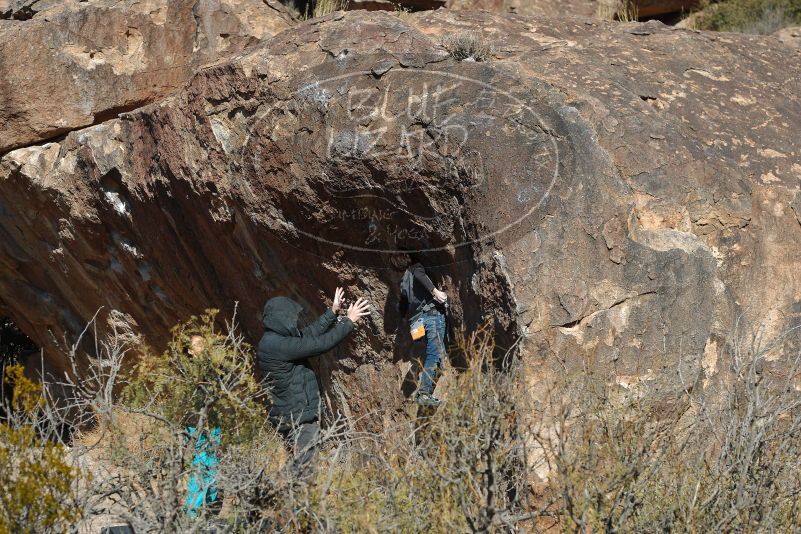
x=283, y=358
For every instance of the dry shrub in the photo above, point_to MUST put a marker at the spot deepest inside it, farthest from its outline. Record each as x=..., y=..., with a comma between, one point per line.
x=468, y=46
x=145, y=448
x=325, y=7
x=611, y=459
x=622, y=10
x=622, y=463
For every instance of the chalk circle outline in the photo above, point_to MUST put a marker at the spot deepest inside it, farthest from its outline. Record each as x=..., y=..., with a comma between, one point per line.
x=540, y=122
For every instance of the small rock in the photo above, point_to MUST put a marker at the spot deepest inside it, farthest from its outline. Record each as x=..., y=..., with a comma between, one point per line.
x=382, y=67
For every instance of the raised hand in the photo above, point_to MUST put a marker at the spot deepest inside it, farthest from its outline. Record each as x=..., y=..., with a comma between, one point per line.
x=338, y=295
x=358, y=309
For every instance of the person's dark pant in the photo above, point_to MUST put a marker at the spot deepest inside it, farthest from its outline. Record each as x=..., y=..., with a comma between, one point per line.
x=303, y=439
x=434, y=323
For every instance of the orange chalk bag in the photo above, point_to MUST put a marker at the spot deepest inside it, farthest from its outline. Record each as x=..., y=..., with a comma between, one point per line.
x=417, y=329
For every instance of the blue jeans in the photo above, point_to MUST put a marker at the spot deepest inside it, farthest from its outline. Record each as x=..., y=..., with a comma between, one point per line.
x=434, y=323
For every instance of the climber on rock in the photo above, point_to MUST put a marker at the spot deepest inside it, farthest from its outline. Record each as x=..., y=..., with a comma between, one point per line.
x=427, y=305
x=283, y=356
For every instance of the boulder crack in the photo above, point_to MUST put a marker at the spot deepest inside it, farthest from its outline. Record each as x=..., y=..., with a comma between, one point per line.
x=588, y=317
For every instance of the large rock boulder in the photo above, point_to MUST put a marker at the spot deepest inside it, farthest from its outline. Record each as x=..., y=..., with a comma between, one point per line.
x=600, y=209
x=70, y=64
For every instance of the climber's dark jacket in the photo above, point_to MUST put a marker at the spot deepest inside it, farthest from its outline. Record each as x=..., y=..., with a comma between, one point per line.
x=283, y=358
x=422, y=288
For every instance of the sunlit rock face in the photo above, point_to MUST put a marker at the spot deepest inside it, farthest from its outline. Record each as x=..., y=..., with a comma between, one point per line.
x=619, y=195
x=605, y=9
x=70, y=64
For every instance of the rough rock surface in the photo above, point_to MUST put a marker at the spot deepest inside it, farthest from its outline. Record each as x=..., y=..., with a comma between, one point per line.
x=72, y=64
x=790, y=36
x=578, y=8
x=24, y=9
x=606, y=9
x=608, y=210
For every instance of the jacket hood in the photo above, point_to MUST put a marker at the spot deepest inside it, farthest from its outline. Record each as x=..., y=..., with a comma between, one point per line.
x=281, y=316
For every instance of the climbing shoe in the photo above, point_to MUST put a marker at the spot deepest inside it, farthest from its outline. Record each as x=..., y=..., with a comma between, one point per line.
x=427, y=399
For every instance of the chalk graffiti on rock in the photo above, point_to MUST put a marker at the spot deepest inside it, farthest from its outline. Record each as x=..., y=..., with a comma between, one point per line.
x=419, y=134
x=422, y=127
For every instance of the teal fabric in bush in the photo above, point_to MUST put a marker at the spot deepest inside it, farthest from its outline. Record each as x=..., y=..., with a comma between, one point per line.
x=202, y=488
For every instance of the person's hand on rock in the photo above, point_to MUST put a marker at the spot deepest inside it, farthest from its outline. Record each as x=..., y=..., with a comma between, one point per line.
x=358, y=309
x=338, y=295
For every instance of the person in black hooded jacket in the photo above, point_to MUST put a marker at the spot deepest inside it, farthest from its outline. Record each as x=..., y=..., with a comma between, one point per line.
x=283, y=355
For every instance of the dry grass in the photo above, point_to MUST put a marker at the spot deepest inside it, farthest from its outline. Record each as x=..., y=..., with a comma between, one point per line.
x=468, y=46
x=325, y=7
x=622, y=10
x=627, y=463
x=128, y=428
x=580, y=453
x=402, y=12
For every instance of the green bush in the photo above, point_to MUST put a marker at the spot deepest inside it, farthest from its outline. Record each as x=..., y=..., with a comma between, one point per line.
x=36, y=479
x=212, y=385
x=749, y=16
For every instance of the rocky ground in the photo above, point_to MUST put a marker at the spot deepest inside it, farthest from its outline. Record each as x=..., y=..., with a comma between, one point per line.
x=622, y=194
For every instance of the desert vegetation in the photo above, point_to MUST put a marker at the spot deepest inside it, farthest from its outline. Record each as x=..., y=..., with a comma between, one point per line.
x=578, y=454
x=747, y=16
x=761, y=17
x=468, y=46
x=36, y=478
x=623, y=10
x=727, y=462
x=324, y=7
